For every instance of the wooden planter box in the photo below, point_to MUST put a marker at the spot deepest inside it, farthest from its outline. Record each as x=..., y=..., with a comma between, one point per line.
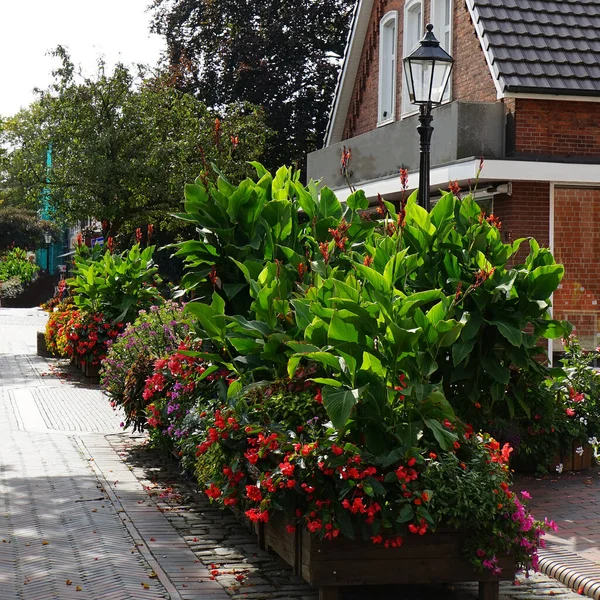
x=330, y=565
x=572, y=461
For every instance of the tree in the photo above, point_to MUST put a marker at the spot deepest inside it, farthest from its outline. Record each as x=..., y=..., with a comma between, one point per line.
x=123, y=146
x=23, y=228
x=283, y=55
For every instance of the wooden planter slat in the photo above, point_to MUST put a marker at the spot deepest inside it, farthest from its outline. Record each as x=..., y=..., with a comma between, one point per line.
x=330, y=565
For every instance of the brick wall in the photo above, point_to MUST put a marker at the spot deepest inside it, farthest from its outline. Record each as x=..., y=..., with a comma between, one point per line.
x=557, y=128
x=525, y=214
x=577, y=246
x=471, y=78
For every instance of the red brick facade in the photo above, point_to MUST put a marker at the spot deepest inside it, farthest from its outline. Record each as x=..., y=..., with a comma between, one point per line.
x=559, y=128
x=577, y=246
x=471, y=78
x=525, y=214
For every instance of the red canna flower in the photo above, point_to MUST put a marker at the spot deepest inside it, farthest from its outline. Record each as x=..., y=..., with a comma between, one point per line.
x=454, y=188
x=345, y=162
x=324, y=248
x=138, y=235
x=213, y=276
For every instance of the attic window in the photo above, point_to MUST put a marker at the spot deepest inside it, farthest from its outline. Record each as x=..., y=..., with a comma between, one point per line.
x=413, y=32
x=441, y=17
x=387, y=68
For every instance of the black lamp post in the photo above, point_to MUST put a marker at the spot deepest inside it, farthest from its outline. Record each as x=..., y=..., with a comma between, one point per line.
x=428, y=69
x=48, y=240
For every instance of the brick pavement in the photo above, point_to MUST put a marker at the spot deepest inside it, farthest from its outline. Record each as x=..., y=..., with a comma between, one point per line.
x=74, y=522
x=120, y=521
x=572, y=500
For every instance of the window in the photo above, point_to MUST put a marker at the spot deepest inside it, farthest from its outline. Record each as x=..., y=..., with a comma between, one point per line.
x=441, y=17
x=413, y=32
x=387, y=68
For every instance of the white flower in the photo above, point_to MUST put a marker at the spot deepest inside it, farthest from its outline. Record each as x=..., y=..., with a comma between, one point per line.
x=579, y=450
x=559, y=468
x=593, y=441
x=583, y=420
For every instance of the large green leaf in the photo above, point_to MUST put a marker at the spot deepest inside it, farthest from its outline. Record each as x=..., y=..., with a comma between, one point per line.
x=461, y=350
x=329, y=205
x=341, y=331
x=377, y=280
x=339, y=403
x=544, y=280
x=357, y=200
x=492, y=366
x=510, y=332
x=443, y=437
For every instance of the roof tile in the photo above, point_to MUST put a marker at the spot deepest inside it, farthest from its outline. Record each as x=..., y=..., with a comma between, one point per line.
x=543, y=45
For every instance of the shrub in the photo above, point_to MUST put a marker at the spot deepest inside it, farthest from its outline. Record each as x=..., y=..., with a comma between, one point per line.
x=11, y=288
x=117, y=285
x=401, y=321
x=16, y=263
x=23, y=228
x=155, y=333
x=88, y=335
x=56, y=328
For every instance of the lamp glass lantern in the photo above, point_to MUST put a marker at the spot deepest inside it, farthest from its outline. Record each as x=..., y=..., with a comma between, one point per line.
x=428, y=68
x=48, y=238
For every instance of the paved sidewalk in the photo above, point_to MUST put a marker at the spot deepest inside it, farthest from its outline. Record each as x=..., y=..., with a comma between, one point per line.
x=74, y=521
x=572, y=500
x=90, y=512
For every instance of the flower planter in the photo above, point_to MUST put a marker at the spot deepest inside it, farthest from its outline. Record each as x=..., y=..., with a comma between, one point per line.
x=91, y=371
x=331, y=565
x=571, y=460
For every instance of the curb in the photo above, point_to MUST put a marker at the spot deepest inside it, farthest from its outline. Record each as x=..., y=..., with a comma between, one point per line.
x=572, y=570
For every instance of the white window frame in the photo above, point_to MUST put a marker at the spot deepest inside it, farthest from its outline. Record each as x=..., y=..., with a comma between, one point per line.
x=408, y=109
x=438, y=15
x=388, y=66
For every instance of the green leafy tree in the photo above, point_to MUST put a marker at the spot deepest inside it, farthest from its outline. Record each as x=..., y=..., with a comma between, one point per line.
x=23, y=228
x=281, y=55
x=123, y=144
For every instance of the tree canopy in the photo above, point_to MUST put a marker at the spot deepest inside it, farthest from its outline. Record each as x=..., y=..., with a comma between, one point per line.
x=23, y=228
x=123, y=145
x=283, y=55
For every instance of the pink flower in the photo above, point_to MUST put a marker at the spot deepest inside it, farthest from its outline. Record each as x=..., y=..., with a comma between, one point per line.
x=526, y=495
x=570, y=412
x=550, y=524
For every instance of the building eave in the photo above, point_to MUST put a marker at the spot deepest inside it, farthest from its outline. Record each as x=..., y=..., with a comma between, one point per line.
x=347, y=77
x=466, y=174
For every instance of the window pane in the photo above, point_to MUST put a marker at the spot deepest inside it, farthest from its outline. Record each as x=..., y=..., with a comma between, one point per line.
x=387, y=70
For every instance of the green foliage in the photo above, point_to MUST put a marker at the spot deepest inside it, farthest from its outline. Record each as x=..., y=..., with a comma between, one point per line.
x=284, y=57
x=23, y=228
x=118, y=285
x=123, y=145
x=407, y=319
x=18, y=264
x=154, y=334
x=11, y=288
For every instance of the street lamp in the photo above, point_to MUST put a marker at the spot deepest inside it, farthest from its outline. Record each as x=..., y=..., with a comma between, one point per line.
x=428, y=69
x=48, y=240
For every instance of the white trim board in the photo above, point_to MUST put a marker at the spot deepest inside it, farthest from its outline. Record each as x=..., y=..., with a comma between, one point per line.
x=493, y=170
x=345, y=85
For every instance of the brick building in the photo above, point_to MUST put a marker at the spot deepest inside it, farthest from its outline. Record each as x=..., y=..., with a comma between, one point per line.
x=524, y=95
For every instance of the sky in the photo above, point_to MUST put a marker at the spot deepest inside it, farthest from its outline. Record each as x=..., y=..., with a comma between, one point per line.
x=117, y=30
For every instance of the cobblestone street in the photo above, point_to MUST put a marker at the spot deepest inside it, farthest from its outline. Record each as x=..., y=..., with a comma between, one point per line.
x=90, y=512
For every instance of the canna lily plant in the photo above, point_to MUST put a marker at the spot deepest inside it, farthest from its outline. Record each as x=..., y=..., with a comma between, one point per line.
x=405, y=320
